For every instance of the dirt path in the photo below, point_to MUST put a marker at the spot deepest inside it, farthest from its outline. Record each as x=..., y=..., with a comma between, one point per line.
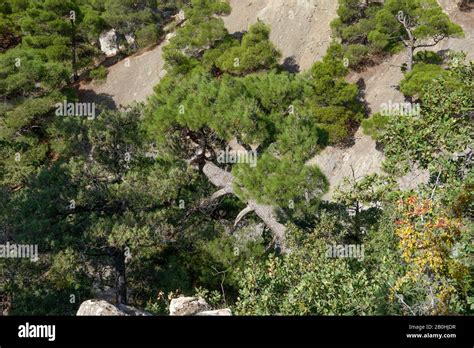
x=466, y=21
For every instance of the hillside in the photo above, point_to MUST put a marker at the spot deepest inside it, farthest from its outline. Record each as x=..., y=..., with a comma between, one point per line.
x=236, y=157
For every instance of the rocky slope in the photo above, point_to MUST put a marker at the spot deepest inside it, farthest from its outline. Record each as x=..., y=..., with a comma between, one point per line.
x=131, y=79
x=300, y=29
x=380, y=84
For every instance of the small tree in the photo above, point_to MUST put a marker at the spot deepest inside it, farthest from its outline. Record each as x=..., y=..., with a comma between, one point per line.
x=254, y=53
x=419, y=23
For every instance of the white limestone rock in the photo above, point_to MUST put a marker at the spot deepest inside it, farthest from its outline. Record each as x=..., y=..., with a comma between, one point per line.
x=104, y=308
x=99, y=308
x=186, y=306
x=108, y=43
x=217, y=313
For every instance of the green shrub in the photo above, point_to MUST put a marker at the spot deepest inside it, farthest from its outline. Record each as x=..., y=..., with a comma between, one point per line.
x=378, y=40
x=428, y=57
x=356, y=54
x=148, y=35
x=99, y=74
x=375, y=125
x=421, y=75
x=256, y=52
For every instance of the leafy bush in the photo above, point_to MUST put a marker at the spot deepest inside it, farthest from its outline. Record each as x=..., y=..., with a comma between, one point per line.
x=256, y=52
x=307, y=282
x=428, y=57
x=421, y=75
x=375, y=125
x=148, y=35
x=356, y=54
x=99, y=74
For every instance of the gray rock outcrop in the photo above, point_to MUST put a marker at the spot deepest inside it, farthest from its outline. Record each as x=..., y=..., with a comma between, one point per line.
x=108, y=43
x=218, y=313
x=98, y=308
x=104, y=308
x=187, y=306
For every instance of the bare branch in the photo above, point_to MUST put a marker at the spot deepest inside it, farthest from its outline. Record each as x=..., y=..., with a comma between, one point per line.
x=402, y=19
x=223, y=179
x=436, y=185
x=400, y=298
x=242, y=214
x=222, y=192
x=437, y=39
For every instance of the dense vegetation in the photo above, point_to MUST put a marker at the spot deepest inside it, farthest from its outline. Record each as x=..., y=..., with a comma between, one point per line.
x=136, y=201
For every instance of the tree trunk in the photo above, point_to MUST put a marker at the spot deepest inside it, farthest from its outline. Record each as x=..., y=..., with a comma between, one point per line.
x=224, y=180
x=73, y=47
x=411, y=53
x=410, y=43
x=120, y=277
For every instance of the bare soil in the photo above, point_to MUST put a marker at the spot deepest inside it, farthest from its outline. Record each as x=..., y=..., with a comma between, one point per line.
x=131, y=79
x=300, y=28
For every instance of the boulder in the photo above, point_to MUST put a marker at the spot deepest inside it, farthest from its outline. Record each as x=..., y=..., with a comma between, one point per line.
x=185, y=306
x=130, y=38
x=180, y=17
x=217, y=313
x=169, y=36
x=104, y=308
x=133, y=312
x=108, y=43
x=99, y=308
